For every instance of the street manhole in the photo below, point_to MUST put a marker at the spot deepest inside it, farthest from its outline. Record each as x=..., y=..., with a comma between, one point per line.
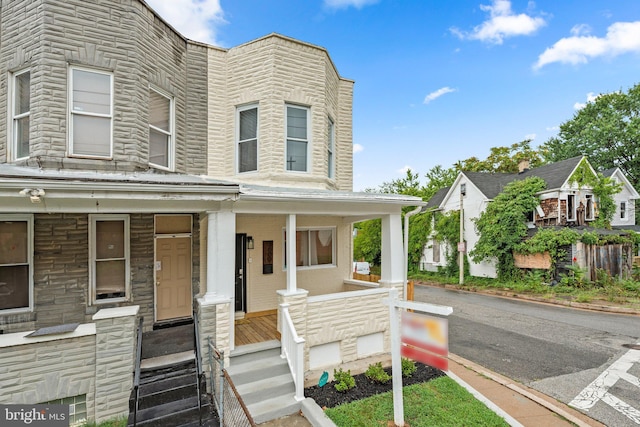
x=632, y=346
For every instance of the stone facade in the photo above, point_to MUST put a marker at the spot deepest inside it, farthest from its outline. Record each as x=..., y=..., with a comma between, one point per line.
x=270, y=73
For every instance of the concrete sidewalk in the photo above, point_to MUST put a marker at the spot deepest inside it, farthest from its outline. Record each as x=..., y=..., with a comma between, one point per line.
x=522, y=405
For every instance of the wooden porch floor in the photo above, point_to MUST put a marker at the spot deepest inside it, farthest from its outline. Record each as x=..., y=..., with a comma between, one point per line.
x=255, y=329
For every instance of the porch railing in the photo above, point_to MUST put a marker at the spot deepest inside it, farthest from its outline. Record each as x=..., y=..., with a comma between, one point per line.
x=199, y=372
x=292, y=350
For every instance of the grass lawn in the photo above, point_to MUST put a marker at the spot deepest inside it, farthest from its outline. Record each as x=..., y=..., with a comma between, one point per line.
x=440, y=402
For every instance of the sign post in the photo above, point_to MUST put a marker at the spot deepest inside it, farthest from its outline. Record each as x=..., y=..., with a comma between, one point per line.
x=424, y=338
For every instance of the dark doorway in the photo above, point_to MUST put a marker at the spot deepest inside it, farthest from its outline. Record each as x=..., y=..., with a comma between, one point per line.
x=241, y=268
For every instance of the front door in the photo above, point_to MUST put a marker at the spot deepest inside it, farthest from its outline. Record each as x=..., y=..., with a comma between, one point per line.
x=173, y=278
x=241, y=268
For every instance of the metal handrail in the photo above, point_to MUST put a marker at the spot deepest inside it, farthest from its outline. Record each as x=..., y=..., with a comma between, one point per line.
x=136, y=376
x=199, y=372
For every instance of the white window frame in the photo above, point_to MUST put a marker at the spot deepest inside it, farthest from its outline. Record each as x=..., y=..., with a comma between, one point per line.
x=29, y=220
x=14, y=118
x=72, y=113
x=287, y=138
x=239, y=110
x=93, y=218
x=571, y=214
x=331, y=148
x=171, y=146
x=589, y=209
x=308, y=230
x=623, y=210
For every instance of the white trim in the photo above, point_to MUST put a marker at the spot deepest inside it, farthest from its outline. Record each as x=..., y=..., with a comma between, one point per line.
x=171, y=148
x=71, y=113
x=307, y=140
x=28, y=218
x=92, y=257
x=12, y=146
x=237, y=141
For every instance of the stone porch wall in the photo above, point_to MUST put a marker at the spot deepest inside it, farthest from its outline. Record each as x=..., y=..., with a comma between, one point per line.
x=95, y=360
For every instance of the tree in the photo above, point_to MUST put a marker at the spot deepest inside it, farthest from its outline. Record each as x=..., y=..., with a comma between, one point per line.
x=503, y=225
x=503, y=159
x=606, y=130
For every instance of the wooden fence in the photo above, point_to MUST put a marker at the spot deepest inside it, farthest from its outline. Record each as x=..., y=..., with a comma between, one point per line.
x=374, y=278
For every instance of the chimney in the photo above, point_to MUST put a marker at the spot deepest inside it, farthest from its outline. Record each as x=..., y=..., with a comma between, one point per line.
x=523, y=165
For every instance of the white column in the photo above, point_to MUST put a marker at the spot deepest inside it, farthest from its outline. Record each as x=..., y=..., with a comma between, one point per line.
x=290, y=254
x=221, y=256
x=392, y=250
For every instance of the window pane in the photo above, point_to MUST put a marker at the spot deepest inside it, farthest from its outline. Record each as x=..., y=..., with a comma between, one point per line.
x=296, y=155
x=321, y=247
x=14, y=242
x=158, y=148
x=14, y=287
x=91, y=135
x=91, y=92
x=296, y=123
x=248, y=124
x=22, y=96
x=159, y=111
x=109, y=239
x=248, y=156
x=22, y=137
x=302, y=248
x=110, y=279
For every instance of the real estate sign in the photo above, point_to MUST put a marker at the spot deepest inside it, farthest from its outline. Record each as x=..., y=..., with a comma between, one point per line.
x=425, y=339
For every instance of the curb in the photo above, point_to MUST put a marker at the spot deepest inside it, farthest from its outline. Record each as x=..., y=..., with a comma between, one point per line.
x=525, y=297
x=314, y=414
x=551, y=406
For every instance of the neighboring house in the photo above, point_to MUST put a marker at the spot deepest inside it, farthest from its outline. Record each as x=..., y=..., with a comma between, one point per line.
x=562, y=203
x=143, y=174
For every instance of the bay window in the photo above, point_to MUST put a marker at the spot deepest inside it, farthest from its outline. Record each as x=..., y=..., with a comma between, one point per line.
x=297, y=138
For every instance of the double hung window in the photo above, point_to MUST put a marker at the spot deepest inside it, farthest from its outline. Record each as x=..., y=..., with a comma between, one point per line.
x=331, y=132
x=247, y=137
x=297, y=138
x=21, y=110
x=109, y=250
x=91, y=113
x=161, y=130
x=16, y=260
x=314, y=247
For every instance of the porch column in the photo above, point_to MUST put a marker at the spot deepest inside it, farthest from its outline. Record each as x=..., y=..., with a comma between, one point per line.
x=290, y=254
x=392, y=251
x=221, y=259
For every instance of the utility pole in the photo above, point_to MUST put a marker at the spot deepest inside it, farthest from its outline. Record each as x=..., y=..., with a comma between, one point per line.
x=461, y=245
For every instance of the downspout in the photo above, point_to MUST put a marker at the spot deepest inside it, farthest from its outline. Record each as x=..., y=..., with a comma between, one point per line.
x=406, y=248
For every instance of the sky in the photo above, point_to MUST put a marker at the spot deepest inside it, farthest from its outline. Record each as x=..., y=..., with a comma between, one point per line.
x=440, y=81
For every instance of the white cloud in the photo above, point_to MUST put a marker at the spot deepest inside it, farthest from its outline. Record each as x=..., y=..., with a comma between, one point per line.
x=622, y=37
x=502, y=23
x=531, y=136
x=403, y=170
x=194, y=19
x=580, y=30
x=438, y=93
x=553, y=128
x=590, y=98
x=357, y=148
x=343, y=4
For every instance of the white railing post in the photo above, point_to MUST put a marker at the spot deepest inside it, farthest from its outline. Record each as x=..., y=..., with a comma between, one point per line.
x=292, y=350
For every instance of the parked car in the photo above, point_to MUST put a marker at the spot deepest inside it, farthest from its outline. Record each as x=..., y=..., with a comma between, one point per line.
x=361, y=267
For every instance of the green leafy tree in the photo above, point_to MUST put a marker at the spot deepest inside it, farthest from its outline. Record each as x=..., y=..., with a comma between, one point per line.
x=606, y=130
x=503, y=159
x=503, y=225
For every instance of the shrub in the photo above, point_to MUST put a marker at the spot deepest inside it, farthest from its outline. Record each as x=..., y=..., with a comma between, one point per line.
x=344, y=380
x=376, y=373
x=408, y=367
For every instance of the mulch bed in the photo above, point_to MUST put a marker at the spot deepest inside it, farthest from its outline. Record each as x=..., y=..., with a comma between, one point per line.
x=328, y=396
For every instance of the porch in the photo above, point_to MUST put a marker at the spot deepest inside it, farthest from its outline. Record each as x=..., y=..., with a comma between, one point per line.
x=256, y=328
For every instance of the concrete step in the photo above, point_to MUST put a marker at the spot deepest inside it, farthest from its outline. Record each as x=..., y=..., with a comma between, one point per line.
x=258, y=369
x=257, y=391
x=251, y=352
x=276, y=407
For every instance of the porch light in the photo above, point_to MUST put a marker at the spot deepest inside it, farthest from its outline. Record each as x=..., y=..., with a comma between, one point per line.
x=249, y=242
